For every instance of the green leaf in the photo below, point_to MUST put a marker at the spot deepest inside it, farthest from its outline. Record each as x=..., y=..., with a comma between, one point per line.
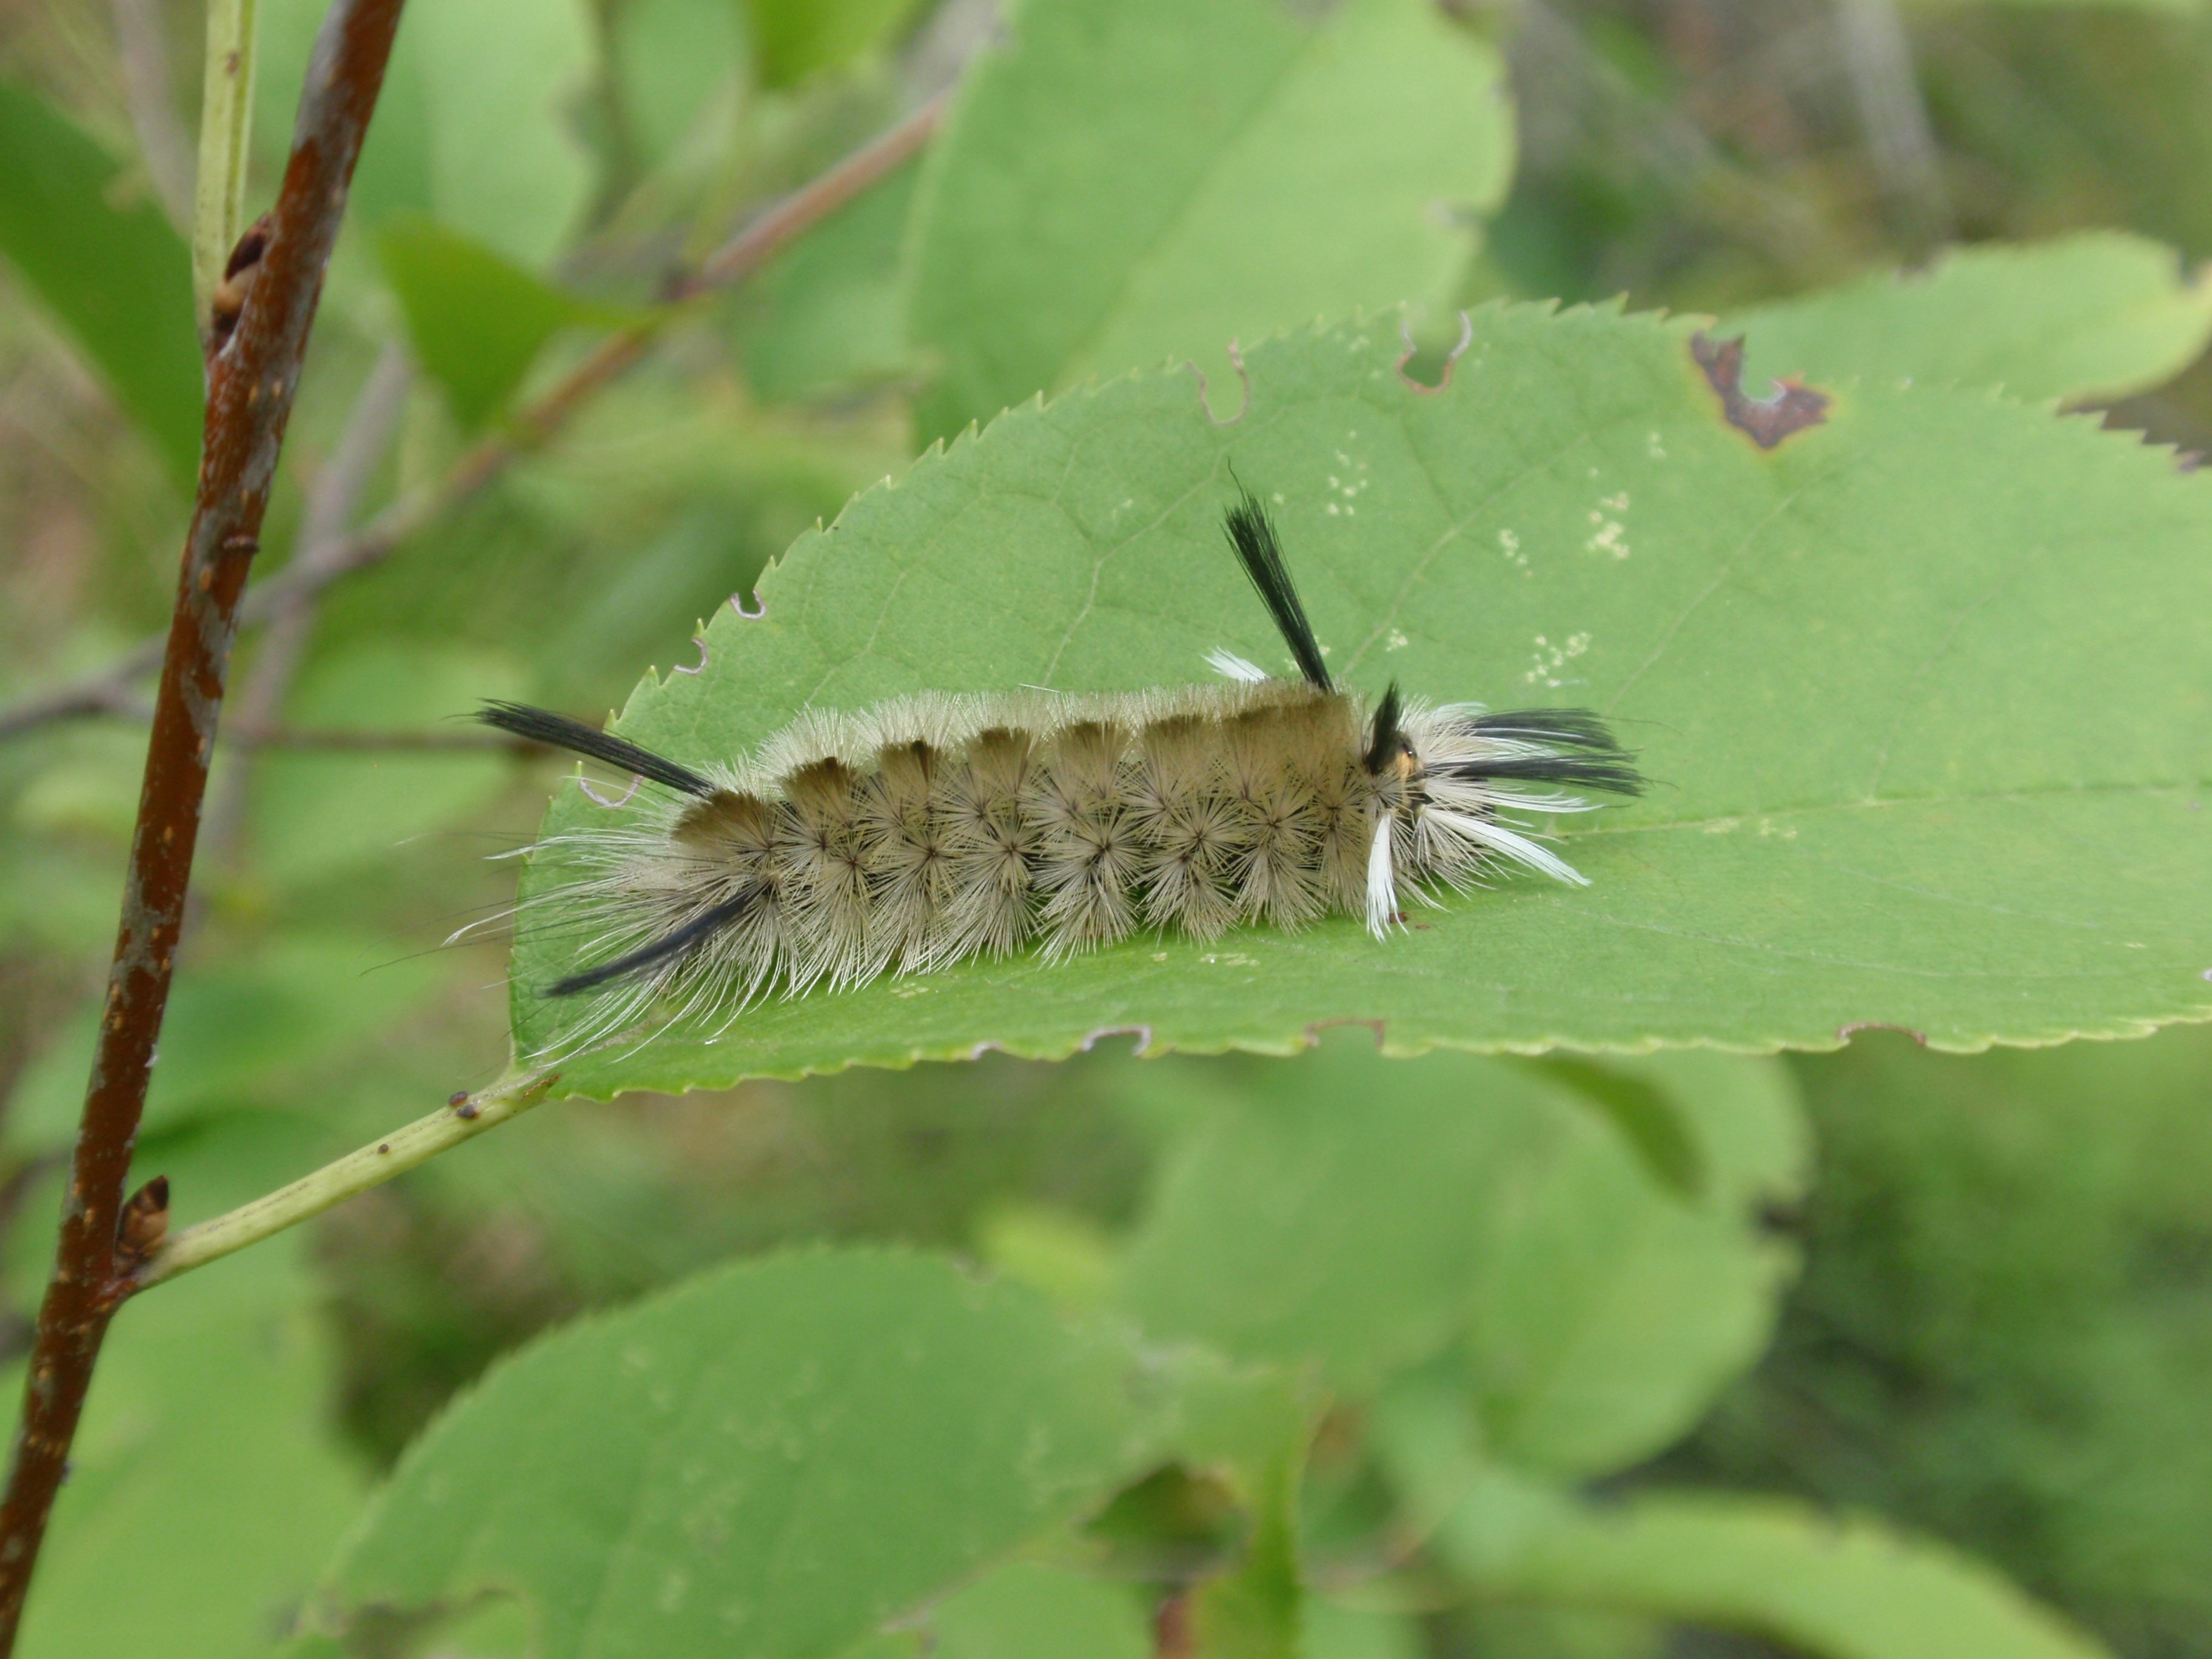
x=317, y=814
x=99, y=252
x=1182, y=172
x=1867, y=812
x=87, y=788
x=828, y=312
x=205, y=1486
x=1642, y=1112
x=2086, y=320
x=1334, y=1630
x=1746, y=1123
x=675, y=59
x=1828, y=1587
x=1030, y=1610
x=233, y=1032
x=1252, y=1431
x=1369, y=1214
x=476, y=125
x=776, y=1459
x=477, y=321
x=1068, y=1256
x=1612, y=1313
x=794, y=39
x=1339, y=1210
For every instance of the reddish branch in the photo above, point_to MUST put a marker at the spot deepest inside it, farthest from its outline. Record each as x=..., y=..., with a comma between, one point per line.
x=250, y=382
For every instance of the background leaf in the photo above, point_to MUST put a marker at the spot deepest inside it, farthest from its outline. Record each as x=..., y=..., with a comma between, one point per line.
x=475, y=321
x=1866, y=813
x=1829, y=1588
x=1251, y=1432
x=109, y=266
x=1187, y=171
x=1614, y=1311
x=677, y=59
x=829, y=312
x=317, y=814
x=794, y=39
x=474, y=127
x=1337, y=1631
x=1343, y=1209
x=238, y=1029
x=782, y=1456
x=2090, y=317
x=1370, y=1215
x=1027, y=1609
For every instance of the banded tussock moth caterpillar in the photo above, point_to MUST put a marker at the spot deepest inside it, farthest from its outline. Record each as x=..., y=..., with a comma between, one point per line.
x=933, y=829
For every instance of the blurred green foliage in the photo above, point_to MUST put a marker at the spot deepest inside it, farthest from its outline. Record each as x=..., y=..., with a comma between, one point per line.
x=2001, y=1330
x=1386, y=1358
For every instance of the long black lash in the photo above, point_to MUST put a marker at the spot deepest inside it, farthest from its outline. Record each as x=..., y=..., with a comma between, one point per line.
x=1581, y=728
x=1614, y=774
x=559, y=731
x=706, y=922
x=1595, y=758
x=1260, y=550
x=1386, y=741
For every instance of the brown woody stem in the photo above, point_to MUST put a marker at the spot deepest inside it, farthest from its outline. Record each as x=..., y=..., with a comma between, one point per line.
x=250, y=382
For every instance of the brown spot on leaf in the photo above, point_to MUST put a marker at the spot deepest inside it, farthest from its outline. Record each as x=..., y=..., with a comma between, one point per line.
x=1767, y=421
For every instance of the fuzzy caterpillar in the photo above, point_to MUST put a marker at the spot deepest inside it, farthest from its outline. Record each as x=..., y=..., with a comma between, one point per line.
x=930, y=829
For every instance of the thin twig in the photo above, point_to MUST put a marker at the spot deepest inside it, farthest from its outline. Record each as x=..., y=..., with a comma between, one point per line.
x=226, y=138
x=142, y=49
x=250, y=382
x=769, y=232
x=463, y=1118
x=108, y=692
x=762, y=238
